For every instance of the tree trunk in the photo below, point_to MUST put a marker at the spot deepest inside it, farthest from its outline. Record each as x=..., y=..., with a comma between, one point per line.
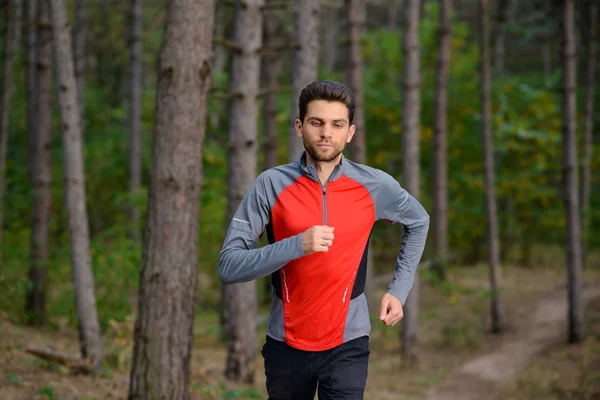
x=7, y=90
x=135, y=115
x=164, y=325
x=221, y=55
x=411, y=111
x=569, y=129
x=79, y=53
x=440, y=143
x=239, y=300
x=488, y=156
x=271, y=65
x=330, y=19
x=588, y=126
x=394, y=7
x=505, y=16
x=83, y=278
x=305, y=62
x=547, y=60
x=356, y=14
x=41, y=162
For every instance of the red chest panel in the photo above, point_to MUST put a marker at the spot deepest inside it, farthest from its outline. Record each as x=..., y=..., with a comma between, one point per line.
x=316, y=289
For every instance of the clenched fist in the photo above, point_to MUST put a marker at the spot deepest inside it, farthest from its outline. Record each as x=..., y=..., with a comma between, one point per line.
x=318, y=238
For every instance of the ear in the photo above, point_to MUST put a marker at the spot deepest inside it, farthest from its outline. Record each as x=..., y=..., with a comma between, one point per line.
x=351, y=133
x=299, y=129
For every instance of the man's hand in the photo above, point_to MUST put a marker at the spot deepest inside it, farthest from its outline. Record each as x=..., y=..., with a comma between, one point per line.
x=391, y=310
x=317, y=239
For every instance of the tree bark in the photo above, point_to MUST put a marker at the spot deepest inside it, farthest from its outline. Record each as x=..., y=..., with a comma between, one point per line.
x=571, y=203
x=221, y=55
x=166, y=304
x=271, y=64
x=79, y=53
x=83, y=278
x=7, y=91
x=440, y=143
x=40, y=133
x=305, y=62
x=330, y=19
x=394, y=7
x=488, y=156
x=134, y=117
x=356, y=13
x=506, y=9
x=239, y=300
x=588, y=126
x=411, y=111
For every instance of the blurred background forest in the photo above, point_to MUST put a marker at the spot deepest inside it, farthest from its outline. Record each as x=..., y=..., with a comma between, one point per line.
x=527, y=117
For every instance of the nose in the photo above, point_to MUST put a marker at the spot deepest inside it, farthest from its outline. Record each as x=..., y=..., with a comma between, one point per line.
x=326, y=131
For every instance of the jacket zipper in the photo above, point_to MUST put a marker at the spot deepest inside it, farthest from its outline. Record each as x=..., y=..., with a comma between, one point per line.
x=324, y=189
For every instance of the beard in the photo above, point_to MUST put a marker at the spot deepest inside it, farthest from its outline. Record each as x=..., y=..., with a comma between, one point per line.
x=323, y=155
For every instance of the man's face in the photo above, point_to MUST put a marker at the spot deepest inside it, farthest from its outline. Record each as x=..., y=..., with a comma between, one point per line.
x=326, y=130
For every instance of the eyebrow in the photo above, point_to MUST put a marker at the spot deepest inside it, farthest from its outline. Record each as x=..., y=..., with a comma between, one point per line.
x=322, y=119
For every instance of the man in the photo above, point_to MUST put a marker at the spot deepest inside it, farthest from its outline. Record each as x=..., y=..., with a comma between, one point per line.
x=318, y=213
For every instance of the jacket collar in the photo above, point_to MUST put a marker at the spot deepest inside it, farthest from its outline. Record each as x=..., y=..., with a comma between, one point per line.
x=311, y=171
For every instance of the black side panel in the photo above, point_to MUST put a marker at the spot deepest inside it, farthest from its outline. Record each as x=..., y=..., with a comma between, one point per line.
x=361, y=276
x=275, y=279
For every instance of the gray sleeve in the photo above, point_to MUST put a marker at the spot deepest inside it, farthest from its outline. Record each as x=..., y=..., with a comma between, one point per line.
x=240, y=259
x=399, y=206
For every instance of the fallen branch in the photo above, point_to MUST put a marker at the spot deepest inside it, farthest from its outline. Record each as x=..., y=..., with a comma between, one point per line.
x=57, y=357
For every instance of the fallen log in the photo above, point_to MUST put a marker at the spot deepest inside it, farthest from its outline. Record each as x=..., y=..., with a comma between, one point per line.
x=55, y=356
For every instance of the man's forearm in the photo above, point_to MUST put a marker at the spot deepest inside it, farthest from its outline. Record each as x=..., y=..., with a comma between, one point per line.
x=238, y=264
x=413, y=244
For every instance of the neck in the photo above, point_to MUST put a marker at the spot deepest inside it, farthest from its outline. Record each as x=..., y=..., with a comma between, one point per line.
x=324, y=168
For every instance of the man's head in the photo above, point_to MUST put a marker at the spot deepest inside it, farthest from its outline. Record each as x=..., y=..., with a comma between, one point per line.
x=325, y=120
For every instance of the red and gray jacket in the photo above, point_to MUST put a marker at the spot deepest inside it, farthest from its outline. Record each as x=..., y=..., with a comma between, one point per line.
x=318, y=300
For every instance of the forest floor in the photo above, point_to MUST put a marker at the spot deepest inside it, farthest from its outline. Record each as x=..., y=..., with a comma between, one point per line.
x=459, y=358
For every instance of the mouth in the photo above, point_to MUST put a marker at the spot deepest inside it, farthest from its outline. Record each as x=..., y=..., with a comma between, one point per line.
x=324, y=145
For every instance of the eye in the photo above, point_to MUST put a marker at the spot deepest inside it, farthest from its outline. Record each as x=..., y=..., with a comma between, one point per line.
x=339, y=126
x=315, y=123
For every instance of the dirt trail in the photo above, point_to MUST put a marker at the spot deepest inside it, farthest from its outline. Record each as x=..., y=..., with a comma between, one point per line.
x=538, y=328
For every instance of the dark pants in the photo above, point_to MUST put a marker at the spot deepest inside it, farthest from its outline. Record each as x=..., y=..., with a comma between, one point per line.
x=341, y=372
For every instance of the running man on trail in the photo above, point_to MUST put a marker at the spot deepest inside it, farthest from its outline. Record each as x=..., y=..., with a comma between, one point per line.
x=318, y=213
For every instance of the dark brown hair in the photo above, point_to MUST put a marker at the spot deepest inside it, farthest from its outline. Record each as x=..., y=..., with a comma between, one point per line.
x=328, y=91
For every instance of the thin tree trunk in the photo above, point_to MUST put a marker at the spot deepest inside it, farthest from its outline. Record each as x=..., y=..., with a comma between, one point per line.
x=221, y=55
x=440, y=143
x=166, y=305
x=79, y=54
x=357, y=14
x=547, y=60
x=411, y=110
x=134, y=114
x=588, y=126
x=83, y=278
x=7, y=91
x=571, y=201
x=331, y=36
x=394, y=7
x=31, y=92
x=18, y=26
x=41, y=162
x=506, y=10
x=239, y=300
x=488, y=155
x=305, y=62
x=271, y=64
